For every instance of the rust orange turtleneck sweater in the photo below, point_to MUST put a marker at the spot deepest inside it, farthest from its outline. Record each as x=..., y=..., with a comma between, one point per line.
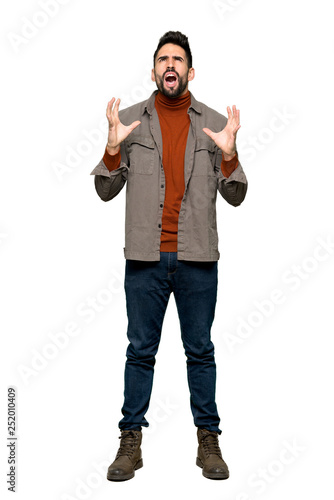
x=174, y=123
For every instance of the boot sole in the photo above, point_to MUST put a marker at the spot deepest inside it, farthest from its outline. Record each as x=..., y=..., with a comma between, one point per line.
x=138, y=465
x=219, y=475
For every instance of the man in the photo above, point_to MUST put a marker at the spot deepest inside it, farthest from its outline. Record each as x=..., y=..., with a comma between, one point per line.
x=174, y=153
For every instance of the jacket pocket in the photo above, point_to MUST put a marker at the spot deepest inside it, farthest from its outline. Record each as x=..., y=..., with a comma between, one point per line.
x=204, y=157
x=141, y=154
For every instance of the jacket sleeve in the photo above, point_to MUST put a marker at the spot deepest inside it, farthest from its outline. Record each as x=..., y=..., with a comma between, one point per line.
x=233, y=188
x=109, y=183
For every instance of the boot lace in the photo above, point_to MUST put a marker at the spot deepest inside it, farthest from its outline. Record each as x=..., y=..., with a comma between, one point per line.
x=210, y=444
x=129, y=440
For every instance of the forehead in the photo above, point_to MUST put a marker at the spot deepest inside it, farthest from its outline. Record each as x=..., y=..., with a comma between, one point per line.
x=171, y=50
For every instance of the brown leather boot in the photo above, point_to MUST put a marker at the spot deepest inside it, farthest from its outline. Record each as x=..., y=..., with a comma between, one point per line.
x=128, y=458
x=209, y=456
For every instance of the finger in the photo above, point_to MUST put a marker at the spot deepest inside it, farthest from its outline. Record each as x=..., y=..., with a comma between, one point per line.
x=109, y=107
x=116, y=108
x=236, y=115
x=229, y=113
x=110, y=103
x=236, y=119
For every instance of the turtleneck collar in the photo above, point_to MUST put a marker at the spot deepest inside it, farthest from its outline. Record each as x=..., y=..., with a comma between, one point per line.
x=177, y=104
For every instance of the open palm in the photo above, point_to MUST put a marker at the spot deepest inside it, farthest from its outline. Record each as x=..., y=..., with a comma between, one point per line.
x=117, y=131
x=226, y=139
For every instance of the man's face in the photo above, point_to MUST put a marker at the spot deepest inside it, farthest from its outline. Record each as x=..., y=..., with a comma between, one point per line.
x=171, y=72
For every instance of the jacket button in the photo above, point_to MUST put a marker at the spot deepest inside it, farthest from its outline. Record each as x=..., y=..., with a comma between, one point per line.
x=159, y=226
x=162, y=186
x=161, y=205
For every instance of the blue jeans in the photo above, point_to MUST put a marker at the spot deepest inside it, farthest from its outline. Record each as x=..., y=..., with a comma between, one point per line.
x=148, y=286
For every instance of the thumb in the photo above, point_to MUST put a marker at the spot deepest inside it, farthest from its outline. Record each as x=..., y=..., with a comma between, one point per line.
x=134, y=125
x=209, y=132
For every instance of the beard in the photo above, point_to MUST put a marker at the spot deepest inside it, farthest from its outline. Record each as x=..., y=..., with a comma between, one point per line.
x=179, y=88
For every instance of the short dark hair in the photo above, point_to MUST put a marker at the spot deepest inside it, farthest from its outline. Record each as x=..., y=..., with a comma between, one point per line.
x=177, y=38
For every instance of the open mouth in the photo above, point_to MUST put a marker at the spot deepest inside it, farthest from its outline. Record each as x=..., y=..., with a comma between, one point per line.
x=170, y=79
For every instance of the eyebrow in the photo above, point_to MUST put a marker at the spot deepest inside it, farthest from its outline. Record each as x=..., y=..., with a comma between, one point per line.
x=174, y=57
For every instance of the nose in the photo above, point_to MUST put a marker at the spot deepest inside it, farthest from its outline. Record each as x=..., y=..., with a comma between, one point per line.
x=170, y=62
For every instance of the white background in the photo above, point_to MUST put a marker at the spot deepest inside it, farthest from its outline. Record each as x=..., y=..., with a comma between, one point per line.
x=61, y=248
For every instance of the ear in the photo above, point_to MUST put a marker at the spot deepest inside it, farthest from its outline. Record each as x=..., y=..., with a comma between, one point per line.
x=152, y=76
x=191, y=74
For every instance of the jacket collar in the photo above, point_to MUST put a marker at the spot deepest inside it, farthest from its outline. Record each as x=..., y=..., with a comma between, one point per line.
x=149, y=104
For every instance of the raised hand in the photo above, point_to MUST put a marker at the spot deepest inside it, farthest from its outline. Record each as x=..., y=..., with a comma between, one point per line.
x=226, y=139
x=117, y=131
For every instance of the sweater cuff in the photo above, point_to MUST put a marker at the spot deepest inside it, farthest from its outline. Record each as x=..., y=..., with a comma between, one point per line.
x=228, y=166
x=112, y=162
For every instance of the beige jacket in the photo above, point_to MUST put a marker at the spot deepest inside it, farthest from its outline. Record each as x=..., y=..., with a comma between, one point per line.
x=141, y=167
